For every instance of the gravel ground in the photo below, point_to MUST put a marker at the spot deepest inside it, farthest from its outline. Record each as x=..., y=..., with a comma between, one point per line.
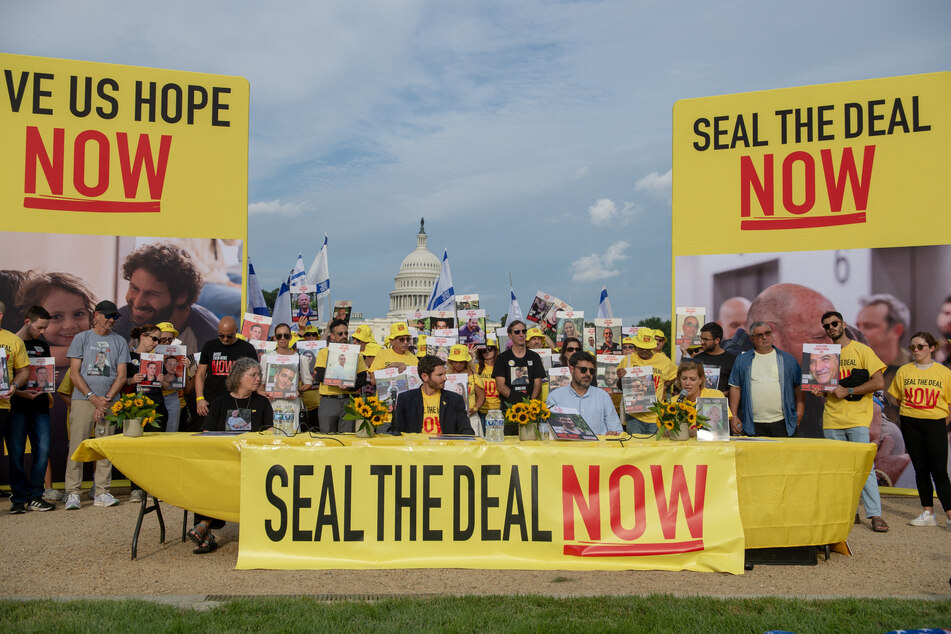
x=87, y=553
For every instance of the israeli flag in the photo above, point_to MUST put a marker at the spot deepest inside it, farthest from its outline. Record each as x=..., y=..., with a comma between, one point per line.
x=443, y=296
x=256, y=302
x=282, y=308
x=604, y=307
x=515, y=311
x=298, y=276
x=319, y=277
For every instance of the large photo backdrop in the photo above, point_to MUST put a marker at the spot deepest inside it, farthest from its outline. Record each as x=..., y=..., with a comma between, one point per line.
x=788, y=203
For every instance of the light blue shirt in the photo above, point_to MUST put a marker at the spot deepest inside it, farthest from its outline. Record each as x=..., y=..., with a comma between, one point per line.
x=595, y=407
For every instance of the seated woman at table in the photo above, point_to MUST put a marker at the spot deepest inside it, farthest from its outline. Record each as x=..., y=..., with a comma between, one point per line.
x=242, y=409
x=692, y=380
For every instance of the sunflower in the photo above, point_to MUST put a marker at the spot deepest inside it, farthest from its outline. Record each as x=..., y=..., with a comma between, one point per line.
x=522, y=418
x=139, y=402
x=148, y=401
x=546, y=413
x=669, y=424
x=691, y=418
x=365, y=411
x=671, y=408
x=376, y=420
x=116, y=407
x=374, y=401
x=357, y=403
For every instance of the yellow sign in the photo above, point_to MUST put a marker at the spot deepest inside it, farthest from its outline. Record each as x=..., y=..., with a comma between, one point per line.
x=851, y=165
x=479, y=506
x=93, y=148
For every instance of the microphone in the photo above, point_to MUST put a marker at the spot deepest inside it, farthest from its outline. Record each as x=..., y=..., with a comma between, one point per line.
x=682, y=395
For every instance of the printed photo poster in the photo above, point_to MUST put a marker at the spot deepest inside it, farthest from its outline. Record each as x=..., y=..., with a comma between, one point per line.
x=307, y=350
x=100, y=365
x=4, y=371
x=342, y=364
x=459, y=383
x=543, y=312
x=439, y=346
x=629, y=331
x=441, y=320
x=502, y=337
x=820, y=365
x=420, y=321
x=545, y=354
x=467, y=302
x=711, y=376
x=471, y=327
x=412, y=377
x=173, y=360
x=559, y=377
x=390, y=383
x=239, y=419
x=446, y=333
x=280, y=375
x=588, y=343
x=607, y=372
x=303, y=305
x=342, y=310
x=42, y=374
x=689, y=321
x=607, y=336
x=570, y=324
x=255, y=327
x=151, y=365
x=637, y=389
x=259, y=347
x=567, y=424
x=717, y=412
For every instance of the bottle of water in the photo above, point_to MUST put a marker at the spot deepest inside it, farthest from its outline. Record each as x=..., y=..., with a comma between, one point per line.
x=495, y=426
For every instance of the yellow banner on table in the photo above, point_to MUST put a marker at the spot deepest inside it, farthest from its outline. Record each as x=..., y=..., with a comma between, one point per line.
x=479, y=506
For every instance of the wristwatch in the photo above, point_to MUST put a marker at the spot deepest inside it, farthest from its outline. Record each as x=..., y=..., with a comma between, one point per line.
x=89, y=393
x=851, y=391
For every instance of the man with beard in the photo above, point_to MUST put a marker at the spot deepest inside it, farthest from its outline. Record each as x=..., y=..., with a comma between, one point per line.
x=164, y=286
x=594, y=405
x=712, y=355
x=430, y=409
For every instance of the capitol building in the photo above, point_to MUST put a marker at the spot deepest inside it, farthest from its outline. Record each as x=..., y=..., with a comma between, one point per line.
x=414, y=282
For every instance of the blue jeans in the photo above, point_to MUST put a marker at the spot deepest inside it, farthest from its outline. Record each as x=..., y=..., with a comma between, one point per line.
x=870, y=498
x=637, y=426
x=36, y=426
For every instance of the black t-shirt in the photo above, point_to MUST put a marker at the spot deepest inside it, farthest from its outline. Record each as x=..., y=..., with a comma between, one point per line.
x=723, y=361
x=35, y=348
x=519, y=373
x=227, y=413
x=219, y=358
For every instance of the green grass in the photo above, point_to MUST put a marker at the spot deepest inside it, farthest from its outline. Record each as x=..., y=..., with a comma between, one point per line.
x=656, y=613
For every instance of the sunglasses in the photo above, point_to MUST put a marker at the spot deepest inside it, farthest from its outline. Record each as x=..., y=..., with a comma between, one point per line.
x=404, y=339
x=519, y=332
x=763, y=335
x=917, y=346
x=224, y=336
x=166, y=339
x=152, y=337
x=572, y=349
x=282, y=335
x=585, y=370
x=112, y=316
x=831, y=324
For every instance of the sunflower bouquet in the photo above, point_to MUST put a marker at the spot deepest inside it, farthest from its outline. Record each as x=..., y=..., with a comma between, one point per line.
x=133, y=405
x=674, y=418
x=368, y=412
x=528, y=414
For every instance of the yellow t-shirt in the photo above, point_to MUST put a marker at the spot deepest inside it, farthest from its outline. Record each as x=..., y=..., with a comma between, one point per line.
x=16, y=358
x=664, y=370
x=388, y=356
x=922, y=393
x=431, y=413
x=490, y=387
x=333, y=390
x=840, y=413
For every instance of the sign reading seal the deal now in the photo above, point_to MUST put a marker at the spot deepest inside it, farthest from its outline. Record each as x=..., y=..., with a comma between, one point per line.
x=485, y=506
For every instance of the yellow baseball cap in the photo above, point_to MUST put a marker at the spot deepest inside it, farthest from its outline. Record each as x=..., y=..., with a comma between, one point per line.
x=311, y=328
x=365, y=334
x=167, y=326
x=459, y=352
x=371, y=350
x=645, y=339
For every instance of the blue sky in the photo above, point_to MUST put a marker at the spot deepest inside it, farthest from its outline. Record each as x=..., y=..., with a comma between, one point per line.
x=535, y=137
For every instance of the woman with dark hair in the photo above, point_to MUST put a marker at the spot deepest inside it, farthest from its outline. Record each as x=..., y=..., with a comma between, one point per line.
x=486, y=391
x=241, y=409
x=147, y=337
x=922, y=389
x=569, y=346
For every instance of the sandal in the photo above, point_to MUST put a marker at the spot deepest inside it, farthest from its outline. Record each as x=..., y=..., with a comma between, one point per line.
x=195, y=535
x=210, y=544
x=879, y=525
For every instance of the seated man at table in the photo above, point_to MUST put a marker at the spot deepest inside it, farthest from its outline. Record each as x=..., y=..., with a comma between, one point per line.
x=429, y=408
x=594, y=404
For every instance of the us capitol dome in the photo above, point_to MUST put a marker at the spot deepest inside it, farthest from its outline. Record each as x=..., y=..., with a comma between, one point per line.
x=414, y=282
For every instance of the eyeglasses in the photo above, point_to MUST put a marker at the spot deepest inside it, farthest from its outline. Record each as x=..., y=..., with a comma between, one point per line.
x=763, y=335
x=572, y=349
x=706, y=339
x=166, y=339
x=282, y=335
x=225, y=337
x=917, y=346
x=831, y=324
x=519, y=332
x=584, y=369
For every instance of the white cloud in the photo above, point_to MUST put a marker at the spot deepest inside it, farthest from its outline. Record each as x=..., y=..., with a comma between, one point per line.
x=275, y=208
x=655, y=184
x=605, y=211
x=597, y=266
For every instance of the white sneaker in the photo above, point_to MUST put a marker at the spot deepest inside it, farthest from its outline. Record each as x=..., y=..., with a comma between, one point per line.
x=136, y=496
x=925, y=519
x=52, y=495
x=72, y=502
x=105, y=499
